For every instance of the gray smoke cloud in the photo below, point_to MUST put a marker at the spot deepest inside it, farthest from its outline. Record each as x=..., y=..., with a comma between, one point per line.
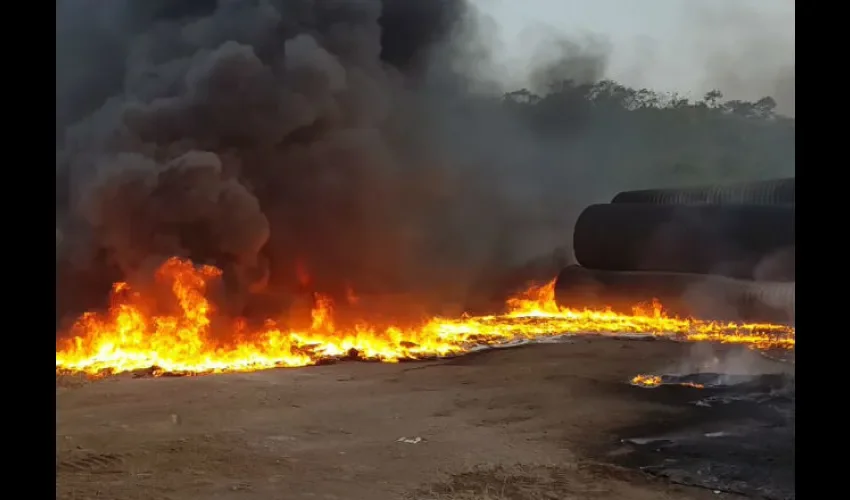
x=252, y=135
x=748, y=53
x=363, y=139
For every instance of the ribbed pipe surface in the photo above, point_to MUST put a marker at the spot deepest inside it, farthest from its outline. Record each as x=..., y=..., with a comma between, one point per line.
x=772, y=192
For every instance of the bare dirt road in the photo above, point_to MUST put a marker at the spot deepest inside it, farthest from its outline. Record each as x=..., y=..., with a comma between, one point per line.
x=527, y=423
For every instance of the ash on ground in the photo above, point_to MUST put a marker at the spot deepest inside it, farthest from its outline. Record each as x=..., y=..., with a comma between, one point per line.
x=734, y=434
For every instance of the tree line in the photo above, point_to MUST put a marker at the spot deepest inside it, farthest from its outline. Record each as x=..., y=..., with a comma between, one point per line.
x=654, y=135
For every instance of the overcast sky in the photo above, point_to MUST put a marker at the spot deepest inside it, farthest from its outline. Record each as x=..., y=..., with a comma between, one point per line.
x=744, y=46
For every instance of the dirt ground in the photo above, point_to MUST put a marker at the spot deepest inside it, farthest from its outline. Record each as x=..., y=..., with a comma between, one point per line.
x=529, y=423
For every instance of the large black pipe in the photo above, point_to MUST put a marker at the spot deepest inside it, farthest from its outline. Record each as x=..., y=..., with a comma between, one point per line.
x=727, y=240
x=685, y=295
x=772, y=192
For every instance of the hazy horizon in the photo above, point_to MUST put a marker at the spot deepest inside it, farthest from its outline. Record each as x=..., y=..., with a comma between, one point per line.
x=744, y=48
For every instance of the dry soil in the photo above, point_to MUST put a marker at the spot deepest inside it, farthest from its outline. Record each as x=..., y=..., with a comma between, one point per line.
x=526, y=423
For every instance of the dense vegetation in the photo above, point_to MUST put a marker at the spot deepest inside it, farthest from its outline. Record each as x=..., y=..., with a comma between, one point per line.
x=661, y=138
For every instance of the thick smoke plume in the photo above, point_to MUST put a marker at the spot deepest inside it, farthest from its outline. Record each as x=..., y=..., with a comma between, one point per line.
x=258, y=136
x=355, y=139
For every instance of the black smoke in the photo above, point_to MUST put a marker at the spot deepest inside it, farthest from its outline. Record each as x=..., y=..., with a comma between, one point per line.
x=354, y=138
x=252, y=135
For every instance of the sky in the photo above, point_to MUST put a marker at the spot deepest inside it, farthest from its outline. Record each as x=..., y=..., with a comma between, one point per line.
x=690, y=46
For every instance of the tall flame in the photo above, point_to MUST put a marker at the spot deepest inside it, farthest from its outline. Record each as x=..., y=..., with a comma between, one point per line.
x=322, y=313
x=126, y=338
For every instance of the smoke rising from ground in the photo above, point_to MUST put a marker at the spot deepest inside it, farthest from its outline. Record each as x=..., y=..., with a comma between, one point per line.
x=251, y=135
x=355, y=138
x=730, y=363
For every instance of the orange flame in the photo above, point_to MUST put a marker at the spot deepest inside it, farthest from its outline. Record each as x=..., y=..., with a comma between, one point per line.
x=652, y=381
x=126, y=338
x=646, y=380
x=322, y=313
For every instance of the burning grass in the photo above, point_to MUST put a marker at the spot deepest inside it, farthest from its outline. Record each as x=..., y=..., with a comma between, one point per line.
x=130, y=338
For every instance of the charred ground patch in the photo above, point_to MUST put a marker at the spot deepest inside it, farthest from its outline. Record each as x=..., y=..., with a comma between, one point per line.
x=735, y=434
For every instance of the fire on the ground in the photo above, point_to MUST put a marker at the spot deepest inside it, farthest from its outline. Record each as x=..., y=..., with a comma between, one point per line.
x=129, y=337
x=652, y=381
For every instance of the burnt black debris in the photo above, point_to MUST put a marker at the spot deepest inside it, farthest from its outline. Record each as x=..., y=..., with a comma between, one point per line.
x=735, y=434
